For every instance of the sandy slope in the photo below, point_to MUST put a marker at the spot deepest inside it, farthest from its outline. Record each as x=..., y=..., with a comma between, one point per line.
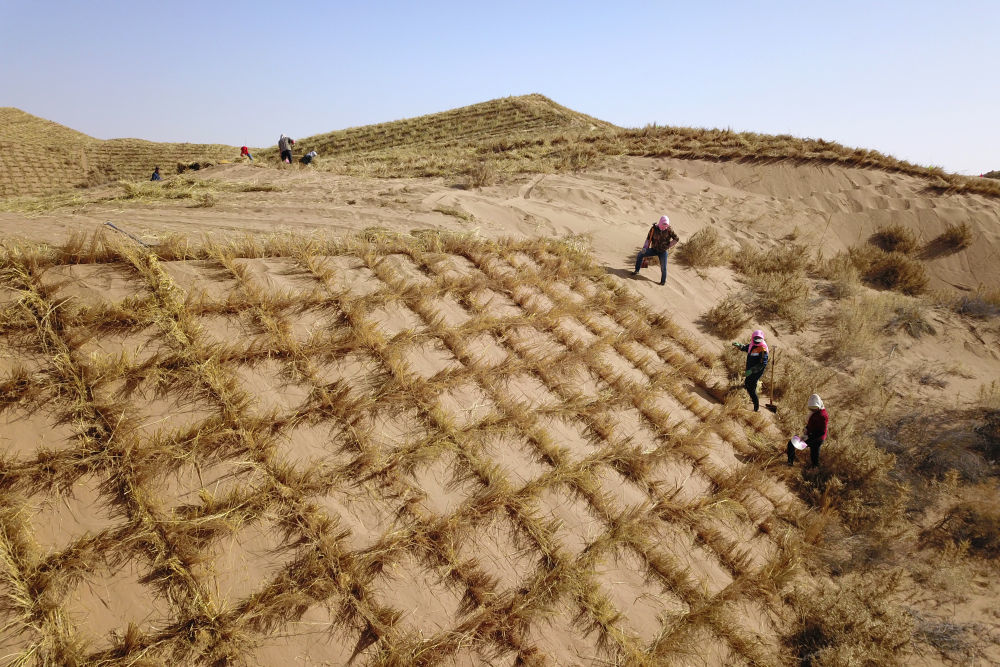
x=758, y=204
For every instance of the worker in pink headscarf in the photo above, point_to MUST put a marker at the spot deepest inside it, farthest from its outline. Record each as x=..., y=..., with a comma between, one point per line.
x=660, y=239
x=756, y=351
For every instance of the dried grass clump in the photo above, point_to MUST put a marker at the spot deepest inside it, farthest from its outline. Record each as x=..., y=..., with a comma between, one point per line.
x=910, y=317
x=889, y=270
x=784, y=296
x=704, y=248
x=455, y=213
x=853, y=621
x=787, y=259
x=727, y=318
x=843, y=276
x=481, y=173
x=953, y=238
x=894, y=238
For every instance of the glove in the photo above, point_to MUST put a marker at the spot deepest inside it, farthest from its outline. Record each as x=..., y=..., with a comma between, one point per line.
x=736, y=345
x=747, y=374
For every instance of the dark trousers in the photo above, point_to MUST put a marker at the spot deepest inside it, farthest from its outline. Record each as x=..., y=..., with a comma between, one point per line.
x=751, y=386
x=814, y=445
x=649, y=252
x=286, y=155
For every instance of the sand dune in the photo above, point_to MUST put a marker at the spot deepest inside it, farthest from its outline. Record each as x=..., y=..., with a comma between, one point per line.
x=472, y=445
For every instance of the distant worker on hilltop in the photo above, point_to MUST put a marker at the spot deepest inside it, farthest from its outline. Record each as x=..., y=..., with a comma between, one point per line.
x=756, y=363
x=156, y=175
x=285, y=146
x=660, y=239
x=245, y=152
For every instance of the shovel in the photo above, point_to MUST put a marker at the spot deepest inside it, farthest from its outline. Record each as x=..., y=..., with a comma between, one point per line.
x=770, y=387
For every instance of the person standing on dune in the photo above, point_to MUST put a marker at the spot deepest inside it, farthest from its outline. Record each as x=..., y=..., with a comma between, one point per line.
x=661, y=238
x=285, y=146
x=815, y=433
x=756, y=351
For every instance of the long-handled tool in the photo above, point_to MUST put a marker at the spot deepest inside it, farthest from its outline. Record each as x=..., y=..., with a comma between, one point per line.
x=770, y=386
x=131, y=236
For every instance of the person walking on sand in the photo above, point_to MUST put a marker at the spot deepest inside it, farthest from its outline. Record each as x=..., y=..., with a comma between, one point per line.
x=285, y=146
x=660, y=239
x=756, y=351
x=815, y=431
x=245, y=152
x=156, y=175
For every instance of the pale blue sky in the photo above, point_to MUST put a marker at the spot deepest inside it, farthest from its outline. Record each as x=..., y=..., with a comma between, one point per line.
x=914, y=79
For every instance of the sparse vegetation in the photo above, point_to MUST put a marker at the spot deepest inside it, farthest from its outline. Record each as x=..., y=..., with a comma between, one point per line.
x=204, y=191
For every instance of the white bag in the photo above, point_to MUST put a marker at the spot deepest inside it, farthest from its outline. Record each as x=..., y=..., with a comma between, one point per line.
x=798, y=443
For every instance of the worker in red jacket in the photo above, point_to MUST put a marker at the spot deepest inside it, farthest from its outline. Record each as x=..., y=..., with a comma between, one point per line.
x=815, y=433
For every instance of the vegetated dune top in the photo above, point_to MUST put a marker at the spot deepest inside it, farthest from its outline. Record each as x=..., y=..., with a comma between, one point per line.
x=503, y=118
x=422, y=448
x=39, y=156
x=526, y=134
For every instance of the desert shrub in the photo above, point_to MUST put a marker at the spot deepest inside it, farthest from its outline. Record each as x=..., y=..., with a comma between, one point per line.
x=791, y=258
x=972, y=523
x=909, y=317
x=790, y=379
x=856, y=327
x=981, y=305
x=726, y=318
x=889, y=270
x=842, y=275
x=704, y=248
x=894, y=237
x=481, y=173
x=988, y=432
x=930, y=446
x=850, y=622
x=776, y=279
x=953, y=238
x=782, y=296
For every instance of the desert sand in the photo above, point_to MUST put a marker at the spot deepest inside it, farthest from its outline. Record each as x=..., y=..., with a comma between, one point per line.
x=468, y=445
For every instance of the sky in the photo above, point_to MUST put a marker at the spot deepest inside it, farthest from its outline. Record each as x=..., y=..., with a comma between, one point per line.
x=916, y=80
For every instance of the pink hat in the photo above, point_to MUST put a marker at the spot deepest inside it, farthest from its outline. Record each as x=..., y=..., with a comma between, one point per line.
x=664, y=222
x=757, y=333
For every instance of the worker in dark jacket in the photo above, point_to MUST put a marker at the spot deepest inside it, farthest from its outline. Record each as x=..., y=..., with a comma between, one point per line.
x=756, y=363
x=815, y=433
x=285, y=146
x=660, y=239
x=156, y=175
